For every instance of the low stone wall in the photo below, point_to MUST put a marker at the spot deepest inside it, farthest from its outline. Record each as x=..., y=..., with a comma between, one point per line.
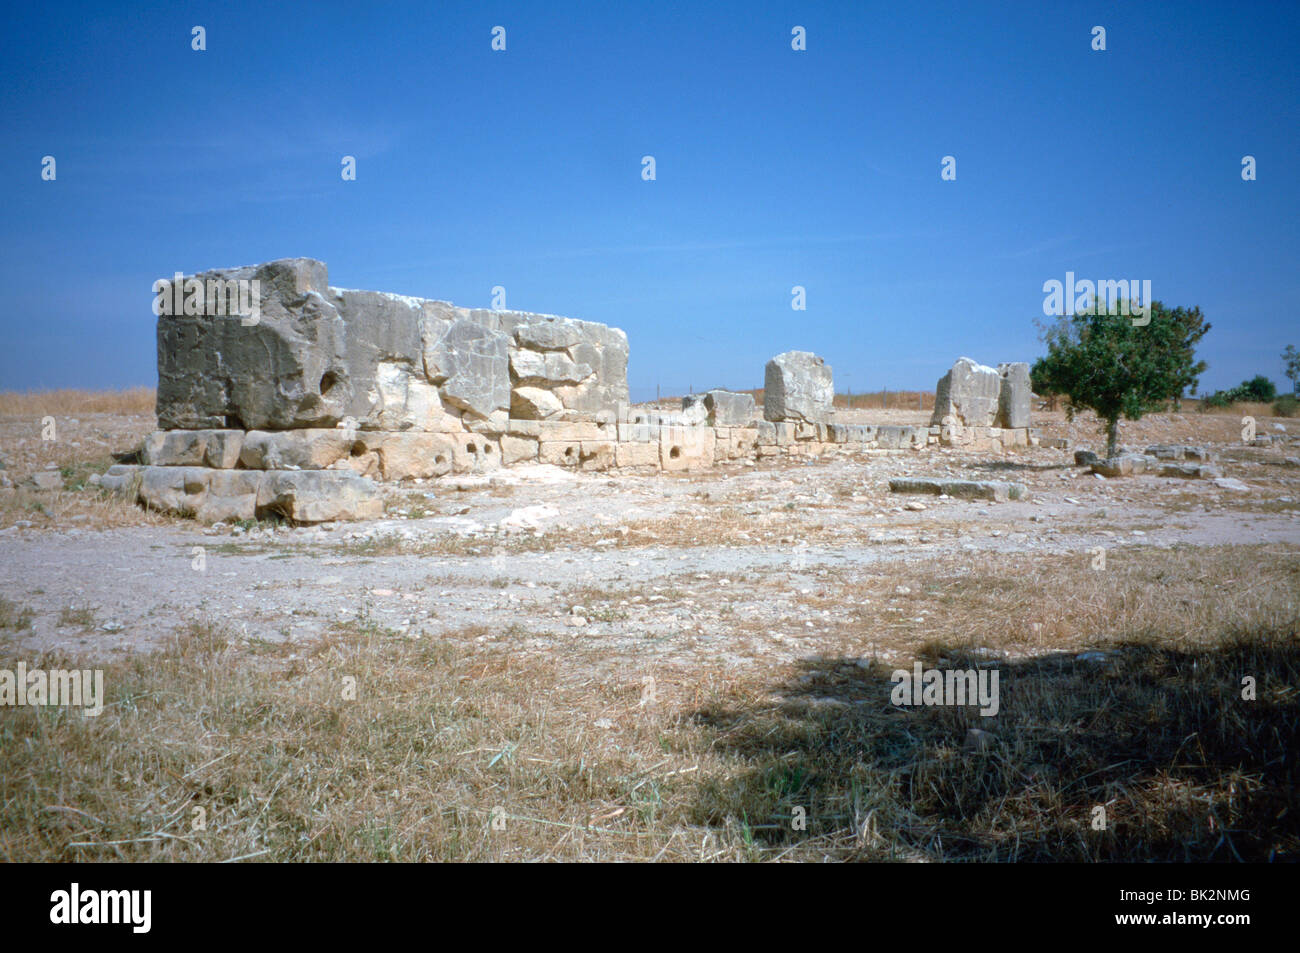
x=315, y=474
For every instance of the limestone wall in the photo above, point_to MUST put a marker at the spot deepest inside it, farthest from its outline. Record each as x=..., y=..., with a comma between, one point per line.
x=300, y=410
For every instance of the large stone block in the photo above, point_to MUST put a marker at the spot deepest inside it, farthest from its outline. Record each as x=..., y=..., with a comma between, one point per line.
x=1124, y=464
x=730, y=409
x=742, y=442
x=719, y=408
x=314, y=496
x=533, y=403
x=797, y=385
x=193, y=448
x=1014, y=395
x=313, y=449
x=638, y=433
x=694, y=411
x=475, y=453
x=217, y=371
x=686, y=448
x=568, y=347
x=560, y=453
x=970, y=393
x=636, y=454
x=547, y=369
x=410, y=455
x=471, y=363
x=596, y=454
x=515, y=449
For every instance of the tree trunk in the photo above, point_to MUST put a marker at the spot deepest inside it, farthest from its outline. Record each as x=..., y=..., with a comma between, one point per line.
x=1112, y=436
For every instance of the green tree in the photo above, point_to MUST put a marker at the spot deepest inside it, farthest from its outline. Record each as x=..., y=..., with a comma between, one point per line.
x=1291, y=361
x=1258, y=389
x=1102, y=362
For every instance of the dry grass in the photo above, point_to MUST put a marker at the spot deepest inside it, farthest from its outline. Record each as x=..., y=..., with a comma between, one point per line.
x=134, y=400
x=445, y=731
x=88, y=507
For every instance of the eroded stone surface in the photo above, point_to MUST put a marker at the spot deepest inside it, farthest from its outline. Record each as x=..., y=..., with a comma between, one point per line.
x=797, y=385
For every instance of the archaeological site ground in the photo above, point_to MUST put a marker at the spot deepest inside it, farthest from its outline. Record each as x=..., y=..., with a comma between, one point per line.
x=580, y=433
x=375, y=577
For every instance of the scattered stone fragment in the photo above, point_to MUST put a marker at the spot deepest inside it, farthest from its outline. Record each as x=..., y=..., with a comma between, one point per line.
x=997, y=491
x=47, y=480
x=1229, y=483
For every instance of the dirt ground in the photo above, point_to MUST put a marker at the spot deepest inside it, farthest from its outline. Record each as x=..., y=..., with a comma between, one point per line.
x=540, y=664
x=674, y=567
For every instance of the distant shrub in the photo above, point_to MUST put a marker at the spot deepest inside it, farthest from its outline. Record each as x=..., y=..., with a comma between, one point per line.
x=1288, y=405
x=1258, y=390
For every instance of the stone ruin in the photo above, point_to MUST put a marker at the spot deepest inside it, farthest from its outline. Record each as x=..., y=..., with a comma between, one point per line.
x=980, y=408
x=299, y=412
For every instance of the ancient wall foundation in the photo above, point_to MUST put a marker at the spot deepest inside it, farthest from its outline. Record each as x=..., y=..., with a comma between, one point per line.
x=298, y=409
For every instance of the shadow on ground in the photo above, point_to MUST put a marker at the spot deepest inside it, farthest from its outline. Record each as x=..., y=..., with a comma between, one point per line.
x=1162, y=740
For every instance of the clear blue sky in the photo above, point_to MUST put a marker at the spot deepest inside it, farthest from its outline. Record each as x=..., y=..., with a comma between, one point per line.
x=775, y=168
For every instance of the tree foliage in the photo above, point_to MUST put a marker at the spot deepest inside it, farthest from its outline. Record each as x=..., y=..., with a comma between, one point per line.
x=1291, y=361
x=1104, y=363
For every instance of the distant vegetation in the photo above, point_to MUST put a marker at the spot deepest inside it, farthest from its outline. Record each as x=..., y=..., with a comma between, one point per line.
x=1107, y=364
x=135, y=400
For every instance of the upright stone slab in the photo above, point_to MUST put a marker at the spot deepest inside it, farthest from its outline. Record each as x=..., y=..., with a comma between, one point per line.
x=1014, y=395
x=970, y=393
x=797, y=385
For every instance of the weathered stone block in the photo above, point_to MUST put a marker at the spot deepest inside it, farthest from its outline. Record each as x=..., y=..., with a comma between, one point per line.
x=1014, y=395
x=596, y=455
x=193, y=448
x=515, y=449
x=969, y=393
x=410, y=455
x=216, y=371
x=686, y=448
x=471, y=363
x=1124, y=464
x=637, y=454
x=475, y=453
x=560, y=453
x=797, y=385
x=314, y=496
x=313, y=449
x=638, y=433
x=724, y=408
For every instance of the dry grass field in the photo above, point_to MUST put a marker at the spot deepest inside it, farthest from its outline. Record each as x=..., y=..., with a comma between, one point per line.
x=421, y=688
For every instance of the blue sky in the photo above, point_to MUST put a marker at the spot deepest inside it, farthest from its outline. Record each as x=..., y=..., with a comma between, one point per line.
x=775, y=168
